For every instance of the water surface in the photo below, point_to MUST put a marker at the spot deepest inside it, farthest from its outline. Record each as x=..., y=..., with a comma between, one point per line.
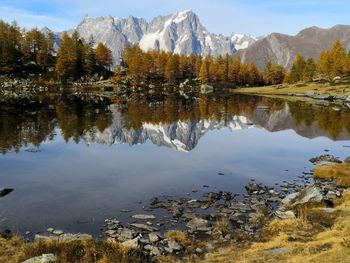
x=74, y=161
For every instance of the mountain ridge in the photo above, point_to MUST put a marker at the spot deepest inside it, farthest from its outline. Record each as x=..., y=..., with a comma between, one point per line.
x=180, y=33
x=183, y=33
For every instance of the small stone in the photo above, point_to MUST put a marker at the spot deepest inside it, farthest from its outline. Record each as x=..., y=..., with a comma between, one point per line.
x=57, y=232
x=174, y=246
x=153, y=237
x=285, y=215
x=155, y=252
x=199, y=250
x=44, y=258
x=50, y=230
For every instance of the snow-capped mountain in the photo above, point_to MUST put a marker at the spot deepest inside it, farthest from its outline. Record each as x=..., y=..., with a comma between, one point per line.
x=181, y=33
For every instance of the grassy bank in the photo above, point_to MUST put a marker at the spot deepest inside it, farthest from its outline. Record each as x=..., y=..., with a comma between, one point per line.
x=318, y=235
x=298, y=89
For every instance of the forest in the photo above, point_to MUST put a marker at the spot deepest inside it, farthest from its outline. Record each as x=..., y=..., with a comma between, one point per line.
x=33, y=52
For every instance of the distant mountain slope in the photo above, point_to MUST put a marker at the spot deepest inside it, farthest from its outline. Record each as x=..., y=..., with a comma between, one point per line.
x=282, y=49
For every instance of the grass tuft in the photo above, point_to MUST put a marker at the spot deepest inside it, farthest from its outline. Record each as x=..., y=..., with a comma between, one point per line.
x=339, y=172
x=223, y=226
x=179, y=237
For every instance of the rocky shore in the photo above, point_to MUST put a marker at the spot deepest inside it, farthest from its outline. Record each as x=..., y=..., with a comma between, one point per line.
x=214, y=220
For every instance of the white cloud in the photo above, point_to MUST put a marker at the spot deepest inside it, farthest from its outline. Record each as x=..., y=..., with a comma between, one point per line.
x=29, y=19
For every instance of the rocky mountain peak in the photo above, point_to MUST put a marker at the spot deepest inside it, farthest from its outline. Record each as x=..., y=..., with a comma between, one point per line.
x=181, y=33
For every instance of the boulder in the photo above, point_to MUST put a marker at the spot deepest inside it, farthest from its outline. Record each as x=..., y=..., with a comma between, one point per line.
x=310, y=194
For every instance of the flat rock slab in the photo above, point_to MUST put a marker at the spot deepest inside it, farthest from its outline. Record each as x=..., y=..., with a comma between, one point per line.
x=45, y=258
x=144, y=217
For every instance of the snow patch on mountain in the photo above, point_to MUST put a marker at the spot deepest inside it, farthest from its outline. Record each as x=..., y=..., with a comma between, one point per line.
x=243, y=41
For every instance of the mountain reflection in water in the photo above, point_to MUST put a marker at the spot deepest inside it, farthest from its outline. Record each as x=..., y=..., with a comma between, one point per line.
x=169, y=120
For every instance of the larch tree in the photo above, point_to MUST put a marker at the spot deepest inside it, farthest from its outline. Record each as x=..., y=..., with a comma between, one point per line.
x=204, y=70
x=104, y=56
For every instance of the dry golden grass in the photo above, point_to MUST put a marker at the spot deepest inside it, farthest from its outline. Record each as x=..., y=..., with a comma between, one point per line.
x=223, y=226
x=17, y=250
x=307, y=239
x=179, y=237
x=339, y=172
x=11, y=250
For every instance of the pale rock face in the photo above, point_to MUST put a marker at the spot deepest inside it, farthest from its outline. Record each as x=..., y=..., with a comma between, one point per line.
x=243, y=41
x=57, y=40
x=180, y=33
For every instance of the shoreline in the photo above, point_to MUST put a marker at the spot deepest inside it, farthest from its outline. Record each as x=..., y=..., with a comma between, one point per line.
x=214, y=221
x=314, y=91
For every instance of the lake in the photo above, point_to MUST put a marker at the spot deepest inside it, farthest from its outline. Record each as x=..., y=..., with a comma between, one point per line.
x=75, y=160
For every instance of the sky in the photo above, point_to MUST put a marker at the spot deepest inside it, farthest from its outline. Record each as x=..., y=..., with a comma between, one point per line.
x=254, y=17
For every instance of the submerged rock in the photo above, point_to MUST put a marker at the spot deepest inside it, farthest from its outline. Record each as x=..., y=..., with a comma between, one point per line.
x=6, y=191
x=144, y=227
x=143, y=217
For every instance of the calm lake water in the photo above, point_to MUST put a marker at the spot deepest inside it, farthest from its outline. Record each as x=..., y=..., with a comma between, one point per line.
x=74, y=161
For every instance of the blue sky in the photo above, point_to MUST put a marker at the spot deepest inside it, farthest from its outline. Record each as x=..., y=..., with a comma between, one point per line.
x=256, y=17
